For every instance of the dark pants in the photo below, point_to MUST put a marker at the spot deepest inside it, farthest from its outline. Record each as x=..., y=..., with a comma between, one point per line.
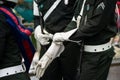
x=19, y=76
x=66, y=66
x=95, y=66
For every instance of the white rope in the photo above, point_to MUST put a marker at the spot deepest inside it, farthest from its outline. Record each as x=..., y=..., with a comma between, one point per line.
x=51, y=9
x=80, y=14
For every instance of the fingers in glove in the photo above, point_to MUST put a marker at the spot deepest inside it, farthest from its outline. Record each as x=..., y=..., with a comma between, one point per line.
x=44, y=42
x=32, y=71
x=37, y=71
x=58, y=37
x=46, y=36
x=40, y=72
x=32, y=67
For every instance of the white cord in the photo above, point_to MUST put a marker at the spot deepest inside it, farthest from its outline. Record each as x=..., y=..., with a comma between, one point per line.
x=66, y=2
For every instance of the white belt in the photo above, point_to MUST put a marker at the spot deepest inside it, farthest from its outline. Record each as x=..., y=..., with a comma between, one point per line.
x=97, y=48
x=12, y=70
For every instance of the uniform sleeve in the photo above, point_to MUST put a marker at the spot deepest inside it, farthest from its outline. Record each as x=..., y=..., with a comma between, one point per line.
x=2, y=39
x=97, y=19
x=36, y=14
x=92, y=25
x=38, y=19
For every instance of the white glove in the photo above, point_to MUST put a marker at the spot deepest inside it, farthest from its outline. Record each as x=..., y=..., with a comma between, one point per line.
x=54, y=51
x=34, y=63
x=63, y=36
x=42, y=38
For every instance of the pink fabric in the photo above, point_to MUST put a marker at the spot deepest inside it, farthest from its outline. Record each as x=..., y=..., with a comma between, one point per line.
x=26, y=31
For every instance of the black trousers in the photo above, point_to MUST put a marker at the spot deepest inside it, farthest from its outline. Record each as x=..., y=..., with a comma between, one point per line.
x=19, y=76
x=95, y=66
x=65, y=67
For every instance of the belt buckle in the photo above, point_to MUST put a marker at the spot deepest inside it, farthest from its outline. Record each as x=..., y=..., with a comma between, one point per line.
x=23, y=66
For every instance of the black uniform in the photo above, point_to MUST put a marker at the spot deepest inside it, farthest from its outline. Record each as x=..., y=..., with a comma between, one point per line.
x=10, y=54
x=59, y=18
x=66, y=66
x=97, y=27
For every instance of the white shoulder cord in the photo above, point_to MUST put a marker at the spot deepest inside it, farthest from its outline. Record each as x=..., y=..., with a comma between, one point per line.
x=80, y=14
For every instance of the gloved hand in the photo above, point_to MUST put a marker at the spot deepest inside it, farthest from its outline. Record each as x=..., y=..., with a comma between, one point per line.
x=34, y=63
x=63, y=36
x=54, y=51
x=42, y=38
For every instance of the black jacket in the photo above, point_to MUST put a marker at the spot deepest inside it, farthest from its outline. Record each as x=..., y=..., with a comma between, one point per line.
x=97, y=25
x=10, y=54
x=59, y=18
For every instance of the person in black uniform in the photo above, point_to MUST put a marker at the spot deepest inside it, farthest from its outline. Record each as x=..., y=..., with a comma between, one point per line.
x=97, y=27
x=66, y=66
x=11, y=67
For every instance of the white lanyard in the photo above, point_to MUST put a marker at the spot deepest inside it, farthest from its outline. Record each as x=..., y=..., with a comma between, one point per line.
x=55, y=4
x=80, y=14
